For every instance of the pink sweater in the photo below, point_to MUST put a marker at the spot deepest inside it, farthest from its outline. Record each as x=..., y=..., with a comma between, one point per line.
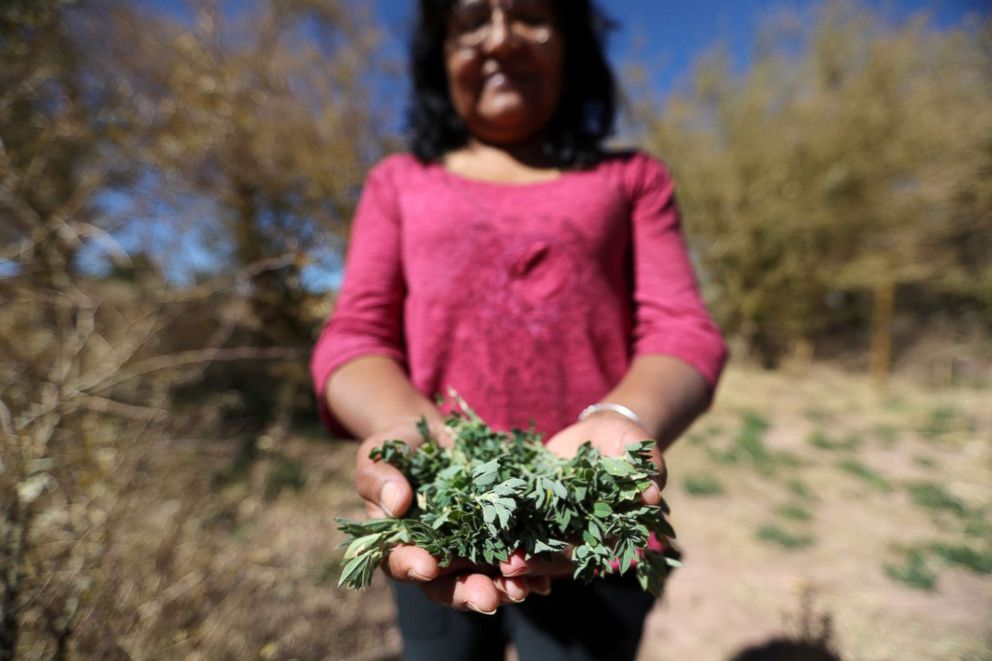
x=530, y=300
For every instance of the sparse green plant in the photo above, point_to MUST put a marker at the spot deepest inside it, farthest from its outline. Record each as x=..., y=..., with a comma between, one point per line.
x=723, y=456
x=748, y=445
x=705, y=435
x=750, y=438
x=787, y=459
x=799, y=488
x=941, y=421
x=978, y=525
x=977, y=560
x=794, y=511
x=924, y=461
x=702, y=484
x=695, y=438
x=851, y=442
x=913, y=571
x=819, y=439
x=936, y=498
x=788, y=540
x=713, y=430
x=866, y=474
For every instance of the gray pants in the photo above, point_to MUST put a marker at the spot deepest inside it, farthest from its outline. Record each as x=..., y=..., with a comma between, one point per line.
x=599, y=621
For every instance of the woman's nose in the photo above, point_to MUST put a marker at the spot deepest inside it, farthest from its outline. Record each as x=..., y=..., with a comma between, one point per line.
x=499, y=35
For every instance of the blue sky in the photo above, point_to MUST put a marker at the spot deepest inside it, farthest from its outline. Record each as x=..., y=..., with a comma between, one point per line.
x=667, y=36
x=670, y=34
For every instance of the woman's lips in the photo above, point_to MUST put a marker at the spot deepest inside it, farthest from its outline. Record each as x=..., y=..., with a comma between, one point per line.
x=503, y=81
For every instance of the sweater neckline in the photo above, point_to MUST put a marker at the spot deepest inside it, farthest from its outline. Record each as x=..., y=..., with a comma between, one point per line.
x=465, y=181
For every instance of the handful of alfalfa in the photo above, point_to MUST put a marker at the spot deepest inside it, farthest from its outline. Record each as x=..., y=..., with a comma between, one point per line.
x=493, y=493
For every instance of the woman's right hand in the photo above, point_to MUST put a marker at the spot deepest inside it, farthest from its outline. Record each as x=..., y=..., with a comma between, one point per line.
x=387, y=492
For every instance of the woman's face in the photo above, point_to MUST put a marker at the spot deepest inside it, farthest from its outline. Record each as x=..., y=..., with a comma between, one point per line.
x=504, y=60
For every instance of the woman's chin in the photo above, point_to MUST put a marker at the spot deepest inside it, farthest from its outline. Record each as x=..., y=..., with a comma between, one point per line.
x=507, y=122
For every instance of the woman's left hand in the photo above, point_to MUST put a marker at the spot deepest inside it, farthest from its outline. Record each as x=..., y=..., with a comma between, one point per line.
x=609, y=433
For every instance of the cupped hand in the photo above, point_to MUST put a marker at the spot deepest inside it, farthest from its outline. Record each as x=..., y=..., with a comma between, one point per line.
x=609, y=433
x=387, y=492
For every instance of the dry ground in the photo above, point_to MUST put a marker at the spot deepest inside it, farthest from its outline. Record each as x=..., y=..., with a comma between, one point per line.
x=846, y=484
x=795, y=484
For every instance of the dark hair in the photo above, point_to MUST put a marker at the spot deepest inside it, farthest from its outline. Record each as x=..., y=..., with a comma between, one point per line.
x=586, y=110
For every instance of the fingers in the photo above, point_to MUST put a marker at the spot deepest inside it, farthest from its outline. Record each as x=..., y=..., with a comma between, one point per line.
x=512, y=590
x=539, y=585
x=652, y=495
x=410, y=563
x=440, y=434
x=661, y=479
x=381, y=485
x=475, y=592
x=546, y=564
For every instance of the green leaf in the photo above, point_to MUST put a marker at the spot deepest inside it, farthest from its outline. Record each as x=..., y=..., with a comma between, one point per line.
x=602, y=510
x=361, y=544
x=629, y=555
x=358, y=572
x=504, y=516
x=488, y=513
x=440, y=521
x=509, y=487
x=551, y=546
x=486, y=468
x=484, y=479
x=617, y=467
x=423, y=428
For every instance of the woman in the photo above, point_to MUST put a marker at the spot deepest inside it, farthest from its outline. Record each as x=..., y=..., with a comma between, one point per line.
x=510, y=258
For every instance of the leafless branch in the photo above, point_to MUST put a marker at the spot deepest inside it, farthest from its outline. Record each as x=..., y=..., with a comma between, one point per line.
x=182, y=359
x=6, y=422
x=122, y=409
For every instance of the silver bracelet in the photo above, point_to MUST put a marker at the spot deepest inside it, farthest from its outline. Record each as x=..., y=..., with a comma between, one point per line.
x=616, y=408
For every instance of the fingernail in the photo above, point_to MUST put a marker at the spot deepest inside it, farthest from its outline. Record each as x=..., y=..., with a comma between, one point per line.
x=417, y=575
x=513, y=591
x=651, y=495
x=515, y=565
x=389, y=498
x=479, y=610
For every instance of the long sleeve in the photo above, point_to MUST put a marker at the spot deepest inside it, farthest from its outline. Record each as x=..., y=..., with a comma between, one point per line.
x=669, y=314
x=367, y=319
